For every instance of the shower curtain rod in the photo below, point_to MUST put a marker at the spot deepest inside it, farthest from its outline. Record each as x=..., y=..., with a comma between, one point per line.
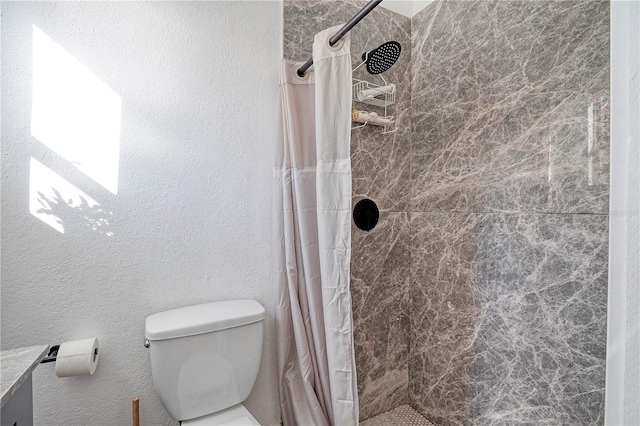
x=347, y=27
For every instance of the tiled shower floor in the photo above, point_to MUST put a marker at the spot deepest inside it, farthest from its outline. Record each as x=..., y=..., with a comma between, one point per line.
x=399, y=416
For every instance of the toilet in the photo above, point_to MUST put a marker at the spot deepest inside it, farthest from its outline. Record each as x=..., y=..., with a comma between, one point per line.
x=205, y=360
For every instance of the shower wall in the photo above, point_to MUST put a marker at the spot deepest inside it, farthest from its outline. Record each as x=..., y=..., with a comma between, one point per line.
x=480, y=297
x=380, y=168
x=509, y=212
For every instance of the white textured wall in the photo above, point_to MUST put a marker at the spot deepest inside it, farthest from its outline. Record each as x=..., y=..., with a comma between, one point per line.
x=191, y=220
x=622, y=406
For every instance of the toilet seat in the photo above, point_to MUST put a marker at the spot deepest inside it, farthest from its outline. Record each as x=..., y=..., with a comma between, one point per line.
x=237, y=415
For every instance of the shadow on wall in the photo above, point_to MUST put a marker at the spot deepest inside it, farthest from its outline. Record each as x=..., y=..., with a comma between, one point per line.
x=76, y=115
x=56, y=202
x=74, y=218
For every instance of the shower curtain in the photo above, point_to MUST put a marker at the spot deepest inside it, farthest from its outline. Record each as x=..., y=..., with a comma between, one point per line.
x=312, y=200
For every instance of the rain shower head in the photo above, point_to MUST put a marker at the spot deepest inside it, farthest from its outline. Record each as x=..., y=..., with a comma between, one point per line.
x=382, y=58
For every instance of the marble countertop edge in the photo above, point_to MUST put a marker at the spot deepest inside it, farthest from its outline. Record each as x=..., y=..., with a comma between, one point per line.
x=16, y=365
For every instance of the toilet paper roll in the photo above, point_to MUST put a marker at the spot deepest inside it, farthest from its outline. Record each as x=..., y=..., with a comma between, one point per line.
x=77, y=358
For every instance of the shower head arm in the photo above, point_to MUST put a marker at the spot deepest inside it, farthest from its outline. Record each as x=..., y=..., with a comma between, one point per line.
x=365, y=56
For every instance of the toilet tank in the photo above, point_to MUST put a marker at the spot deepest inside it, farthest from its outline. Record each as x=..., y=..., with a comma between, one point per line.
x=205, y=358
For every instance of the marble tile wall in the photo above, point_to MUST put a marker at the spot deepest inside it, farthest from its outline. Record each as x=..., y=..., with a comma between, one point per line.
x=480, y=297
x=508, y=318
x=509, y=202
x=380, y=170
x=510, y=107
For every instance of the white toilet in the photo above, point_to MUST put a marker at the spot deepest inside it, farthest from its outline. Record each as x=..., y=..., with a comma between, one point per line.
x=205, y=360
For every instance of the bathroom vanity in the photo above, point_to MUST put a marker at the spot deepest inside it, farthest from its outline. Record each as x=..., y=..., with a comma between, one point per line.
x=16, y=366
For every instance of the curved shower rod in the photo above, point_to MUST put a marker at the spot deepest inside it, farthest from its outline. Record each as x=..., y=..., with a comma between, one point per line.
x=345, y=29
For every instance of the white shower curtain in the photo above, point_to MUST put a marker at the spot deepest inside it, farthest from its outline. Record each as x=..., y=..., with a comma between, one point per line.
x=314, y=327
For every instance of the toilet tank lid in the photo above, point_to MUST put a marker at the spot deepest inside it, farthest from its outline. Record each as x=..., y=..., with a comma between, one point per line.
x=200, y=319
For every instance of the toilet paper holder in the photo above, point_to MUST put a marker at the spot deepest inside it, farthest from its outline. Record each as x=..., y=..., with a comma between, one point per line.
x=52, y=355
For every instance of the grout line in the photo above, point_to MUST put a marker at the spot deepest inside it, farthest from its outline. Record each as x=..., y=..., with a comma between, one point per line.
x=496, y=212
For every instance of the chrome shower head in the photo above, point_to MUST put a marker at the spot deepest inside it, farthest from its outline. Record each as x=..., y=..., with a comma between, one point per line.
x=382, y=58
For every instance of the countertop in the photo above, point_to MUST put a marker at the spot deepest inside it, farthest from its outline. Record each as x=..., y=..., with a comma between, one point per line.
x=15, y=367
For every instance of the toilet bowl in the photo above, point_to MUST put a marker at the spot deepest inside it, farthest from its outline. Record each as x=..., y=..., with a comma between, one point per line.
x=237, y=415
x=205, y=360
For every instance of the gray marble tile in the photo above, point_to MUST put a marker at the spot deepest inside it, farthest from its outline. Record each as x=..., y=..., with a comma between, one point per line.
x=500, y=90
x=503, y=116
x=380, y=289
x=508, y=318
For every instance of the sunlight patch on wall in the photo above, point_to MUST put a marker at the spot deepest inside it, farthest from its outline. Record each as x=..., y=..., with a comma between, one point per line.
x=74, y=113
x=61, y=205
